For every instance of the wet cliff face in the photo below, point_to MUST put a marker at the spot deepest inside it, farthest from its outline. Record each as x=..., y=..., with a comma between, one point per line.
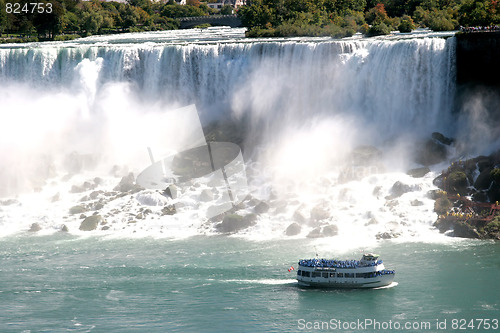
x=478, y=57
x=478, y=93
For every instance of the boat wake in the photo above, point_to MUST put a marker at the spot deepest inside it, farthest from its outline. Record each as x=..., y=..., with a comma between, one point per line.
x=393, y=284
x=262, y=281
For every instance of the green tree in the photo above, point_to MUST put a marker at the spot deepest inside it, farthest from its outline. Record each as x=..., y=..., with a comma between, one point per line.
x=207, y=10
x=378, y=29
x=92, y=22
x=479, y=13
x=145, y=5
x=175, y=11
x=145, y=19
x=421, y=16
x=343, y=7
x=50, y=24
x=164, y=23
x=440, y=20
x=108, y=20
x=113, y=11
x=406, y=24
x=304, y=6
x=429, y=4
x=18, y=22
x=407, y=7
x=92, y=16
x=377, y=15
x=194, y=3
x=256, y=15
x=70, y=5
x=226, y=10
x=4, y=20
x=130, y=17
x=71, y=22
x=26, y=26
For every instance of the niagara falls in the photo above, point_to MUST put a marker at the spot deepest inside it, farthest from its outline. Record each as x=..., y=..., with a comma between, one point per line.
x=170, y=181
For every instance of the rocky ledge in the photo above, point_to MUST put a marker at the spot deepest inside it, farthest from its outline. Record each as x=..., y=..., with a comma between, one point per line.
x=468, y=202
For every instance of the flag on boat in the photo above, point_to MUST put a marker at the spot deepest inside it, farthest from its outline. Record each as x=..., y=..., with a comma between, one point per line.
x=291, y=269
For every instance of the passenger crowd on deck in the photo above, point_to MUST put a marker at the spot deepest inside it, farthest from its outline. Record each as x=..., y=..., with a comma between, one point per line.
x=480, y=29
x=335, y=263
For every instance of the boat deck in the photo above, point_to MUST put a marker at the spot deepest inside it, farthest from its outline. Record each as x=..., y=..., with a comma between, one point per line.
x=326, y=263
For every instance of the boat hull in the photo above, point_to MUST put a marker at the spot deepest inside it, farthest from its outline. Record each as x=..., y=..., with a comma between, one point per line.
x=378, y=282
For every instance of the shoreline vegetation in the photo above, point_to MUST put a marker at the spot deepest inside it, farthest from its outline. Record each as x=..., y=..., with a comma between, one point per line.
x=70, y=19
x=338, y=18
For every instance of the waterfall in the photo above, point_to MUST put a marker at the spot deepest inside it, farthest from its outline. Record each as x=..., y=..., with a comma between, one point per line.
x=303, y=104
x=392, y=85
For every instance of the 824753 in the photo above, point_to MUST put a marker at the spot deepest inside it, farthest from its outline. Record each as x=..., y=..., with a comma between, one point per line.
x=32, y=7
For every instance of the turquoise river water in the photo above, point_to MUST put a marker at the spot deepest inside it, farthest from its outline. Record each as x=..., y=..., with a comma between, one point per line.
x=62, y=283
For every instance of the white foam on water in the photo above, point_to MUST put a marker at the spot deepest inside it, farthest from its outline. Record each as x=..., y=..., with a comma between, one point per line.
x=263, y=281
x=392, y=285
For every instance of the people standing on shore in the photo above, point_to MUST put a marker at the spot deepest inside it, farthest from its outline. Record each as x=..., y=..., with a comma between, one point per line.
x=490, y=28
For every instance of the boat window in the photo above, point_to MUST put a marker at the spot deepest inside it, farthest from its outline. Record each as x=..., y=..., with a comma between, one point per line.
x=316, y=274
x=325, y=275
x=341, y=275
x=306, y=273
x=332, y=275
x=299, y=272
x=349, y=275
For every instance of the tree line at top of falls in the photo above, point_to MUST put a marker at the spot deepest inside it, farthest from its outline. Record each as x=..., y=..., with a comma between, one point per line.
x=73, y=18
x=373, y=17
x=263, y=17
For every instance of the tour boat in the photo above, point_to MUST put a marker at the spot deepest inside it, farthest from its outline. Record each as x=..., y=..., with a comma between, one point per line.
x=369, y=272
